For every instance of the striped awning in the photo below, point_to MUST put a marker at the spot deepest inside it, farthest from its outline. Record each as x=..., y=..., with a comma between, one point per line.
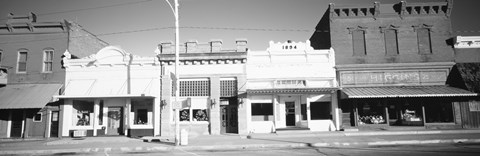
x=292, y=90
x=23, y=96
x=406, y=91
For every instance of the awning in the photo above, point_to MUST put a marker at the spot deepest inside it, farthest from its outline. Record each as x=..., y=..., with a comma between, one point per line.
x=22, y=96
x=94, y=88
x=292, y=90
x=406, y=91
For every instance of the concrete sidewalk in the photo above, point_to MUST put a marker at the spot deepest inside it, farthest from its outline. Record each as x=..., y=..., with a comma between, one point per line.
x=239, y=142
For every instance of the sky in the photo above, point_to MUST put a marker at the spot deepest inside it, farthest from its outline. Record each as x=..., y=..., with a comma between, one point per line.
x=139, y=25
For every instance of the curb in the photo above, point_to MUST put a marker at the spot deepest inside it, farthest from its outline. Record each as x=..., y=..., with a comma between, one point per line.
x=238, y=147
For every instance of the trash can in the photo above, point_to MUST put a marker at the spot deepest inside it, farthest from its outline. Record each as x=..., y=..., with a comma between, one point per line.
x=184, y=137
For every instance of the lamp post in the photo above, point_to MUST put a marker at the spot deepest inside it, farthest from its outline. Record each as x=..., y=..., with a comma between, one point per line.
x=176, y=74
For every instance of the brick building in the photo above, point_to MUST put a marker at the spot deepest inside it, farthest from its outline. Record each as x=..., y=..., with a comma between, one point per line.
x=31, y=53
x=392, y=63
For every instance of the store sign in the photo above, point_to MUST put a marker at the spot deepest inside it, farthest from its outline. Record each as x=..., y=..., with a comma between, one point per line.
x=393, y=77
x=474, y=106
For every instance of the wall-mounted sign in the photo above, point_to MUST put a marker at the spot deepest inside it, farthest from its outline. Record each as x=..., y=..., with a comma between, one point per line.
x=416, y=77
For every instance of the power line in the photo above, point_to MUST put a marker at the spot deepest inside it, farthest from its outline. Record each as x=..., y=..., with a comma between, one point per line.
x=84, y=9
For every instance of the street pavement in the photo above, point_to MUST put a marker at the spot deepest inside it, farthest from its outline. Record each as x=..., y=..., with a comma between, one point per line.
x=237, y=142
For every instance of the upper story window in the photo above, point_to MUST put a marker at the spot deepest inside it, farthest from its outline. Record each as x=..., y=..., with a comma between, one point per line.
x=391, y=42
x=359, y=48
x=48, y=60
x=22, y=61
x=424, y=41
x=228, y=87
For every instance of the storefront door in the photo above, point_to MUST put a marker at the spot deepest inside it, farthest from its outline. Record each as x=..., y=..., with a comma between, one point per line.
x=229, y=119
x=54, y=124
x=17, y=123
x=290, y=113
x=115, y=121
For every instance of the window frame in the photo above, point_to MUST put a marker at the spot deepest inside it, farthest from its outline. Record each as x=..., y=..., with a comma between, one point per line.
x=364, y=44
x=266, y=115
x=1, y=56
x=18, y=60
x=387, y=52
x=45, y=60
x=429, y=38
x=41, y=117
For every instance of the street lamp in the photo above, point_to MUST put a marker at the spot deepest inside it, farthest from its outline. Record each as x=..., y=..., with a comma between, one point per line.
x=176, y=74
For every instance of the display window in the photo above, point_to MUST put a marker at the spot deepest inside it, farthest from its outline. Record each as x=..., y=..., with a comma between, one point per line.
x=439, y=112
x=371, y=113
x=262, y=112
x=142, y=110
x=82, y=111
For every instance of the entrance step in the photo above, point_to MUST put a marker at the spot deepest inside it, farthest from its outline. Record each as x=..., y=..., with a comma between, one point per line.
x=291, y=130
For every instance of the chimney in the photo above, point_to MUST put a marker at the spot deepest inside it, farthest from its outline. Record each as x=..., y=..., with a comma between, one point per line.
x=191, y=46
x=166, y=47
x=241, y=45
x=215, y=45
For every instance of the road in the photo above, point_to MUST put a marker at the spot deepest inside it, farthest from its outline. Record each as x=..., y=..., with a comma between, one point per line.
x=410, y=150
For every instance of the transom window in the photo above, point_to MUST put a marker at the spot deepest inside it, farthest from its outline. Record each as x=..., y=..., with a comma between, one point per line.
x=194, y=87
x=48, y=60
x=228, y=87
x=22, y=61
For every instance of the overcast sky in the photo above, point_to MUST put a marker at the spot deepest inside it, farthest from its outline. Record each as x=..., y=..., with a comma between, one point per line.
x=139, y=25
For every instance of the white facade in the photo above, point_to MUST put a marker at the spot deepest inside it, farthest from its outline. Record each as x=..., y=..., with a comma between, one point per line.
x=111, y=93
x=291, y=78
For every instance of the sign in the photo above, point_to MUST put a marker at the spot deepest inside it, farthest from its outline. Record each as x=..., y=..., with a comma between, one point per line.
x=416, y=77
x=474, y=106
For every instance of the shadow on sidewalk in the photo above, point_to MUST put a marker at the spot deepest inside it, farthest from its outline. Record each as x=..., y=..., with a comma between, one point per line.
x=275, y=140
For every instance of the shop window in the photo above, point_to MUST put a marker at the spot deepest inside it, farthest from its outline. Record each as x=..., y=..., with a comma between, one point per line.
x=391, y=42
x=262, y=112
x=197, y=115
x=1, y=52
x=424, y=41
x=371, y=113
x=82, y=111
x=359, y=48
x=303, y=111
x=474, y=106
x=48, y=60
x=100, y=115
x=142, y=111
x=320, y=111
x=37, y=117
x=439, y=112
x=22, y=61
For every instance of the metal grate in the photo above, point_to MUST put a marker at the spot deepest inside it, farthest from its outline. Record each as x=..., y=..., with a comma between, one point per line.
x=193, y=88
x=228, y=88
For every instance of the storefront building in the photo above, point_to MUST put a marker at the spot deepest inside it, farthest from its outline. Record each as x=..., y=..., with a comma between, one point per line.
x=211, y=78
x=392, y=62
x=111, y=92
x=291, y=86
x=31, y=72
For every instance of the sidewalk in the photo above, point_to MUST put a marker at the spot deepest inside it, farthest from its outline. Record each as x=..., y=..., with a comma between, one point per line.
x=239, y=142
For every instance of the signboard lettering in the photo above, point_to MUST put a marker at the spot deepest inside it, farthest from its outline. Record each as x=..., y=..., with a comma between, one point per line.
x=393, y=77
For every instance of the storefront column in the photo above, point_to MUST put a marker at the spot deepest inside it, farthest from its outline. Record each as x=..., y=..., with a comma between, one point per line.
x=215, y=118
x=156, y=116
x=335, y=110
x=65, y=121
x=126, y=116
x=423, y=115
x=275, y=103
x=96, y=113
x=9, y=123
x=48, y=123
x=308, y=110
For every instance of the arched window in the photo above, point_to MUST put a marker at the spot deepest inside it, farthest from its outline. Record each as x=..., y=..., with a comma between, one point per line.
x=48, y=60
x=22, y=61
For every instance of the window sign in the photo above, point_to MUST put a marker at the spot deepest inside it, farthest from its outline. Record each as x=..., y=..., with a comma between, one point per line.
x=82, y=111
x=474, y=106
